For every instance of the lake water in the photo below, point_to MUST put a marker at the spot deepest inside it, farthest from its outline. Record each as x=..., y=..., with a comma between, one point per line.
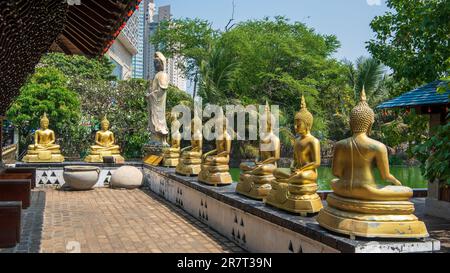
x=409, y=176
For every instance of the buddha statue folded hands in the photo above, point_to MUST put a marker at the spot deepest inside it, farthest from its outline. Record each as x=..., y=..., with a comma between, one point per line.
x=44, y=148
x=191, y=156
x=104, y=145
x=171, y=155
x=215, y=169
x=256, y=177
x=358, y=206
x=295, y=190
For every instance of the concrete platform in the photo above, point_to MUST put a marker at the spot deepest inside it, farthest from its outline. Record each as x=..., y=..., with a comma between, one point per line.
x=259, y=228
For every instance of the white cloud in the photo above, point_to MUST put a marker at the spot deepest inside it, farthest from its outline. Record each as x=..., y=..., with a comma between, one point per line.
x=374, y=2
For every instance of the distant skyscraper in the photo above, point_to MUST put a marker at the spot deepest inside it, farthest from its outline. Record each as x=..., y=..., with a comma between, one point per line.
x=145, y=14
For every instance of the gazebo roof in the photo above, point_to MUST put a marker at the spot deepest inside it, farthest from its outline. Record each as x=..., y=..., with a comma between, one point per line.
x=426, y=95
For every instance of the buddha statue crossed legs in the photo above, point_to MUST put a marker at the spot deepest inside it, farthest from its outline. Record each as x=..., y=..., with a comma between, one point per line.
x=215, y=170
x=44, y=148
x=358, y=206
x=104, y=145
x=171, y=155
x=295, y=191
x=191, y=156
x=256, y=177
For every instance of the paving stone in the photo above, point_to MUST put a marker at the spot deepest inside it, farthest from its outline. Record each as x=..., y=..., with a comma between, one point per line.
x=112, y=221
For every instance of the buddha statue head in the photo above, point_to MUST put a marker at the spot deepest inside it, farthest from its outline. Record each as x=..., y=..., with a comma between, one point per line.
x=303, y=119
x=105, y=124
x=160, y=62
x=362, y=116
x=44, y=122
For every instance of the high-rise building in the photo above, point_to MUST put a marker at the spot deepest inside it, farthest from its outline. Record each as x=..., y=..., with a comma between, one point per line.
x=145, y=15
x=147, y=21
x=124, y=48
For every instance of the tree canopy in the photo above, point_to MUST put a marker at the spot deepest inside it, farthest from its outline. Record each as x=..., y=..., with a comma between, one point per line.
x=46, y=92
x=413, y=39
x=269, y=59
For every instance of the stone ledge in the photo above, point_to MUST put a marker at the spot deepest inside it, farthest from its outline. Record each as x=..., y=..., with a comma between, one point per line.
x=305, y=226
x=137, y=164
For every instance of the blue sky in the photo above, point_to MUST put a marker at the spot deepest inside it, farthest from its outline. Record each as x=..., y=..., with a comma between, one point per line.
x=347, y=19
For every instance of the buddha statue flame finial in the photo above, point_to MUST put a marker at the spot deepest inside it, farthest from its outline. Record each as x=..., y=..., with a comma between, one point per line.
x=44, y=117
x=105, y=119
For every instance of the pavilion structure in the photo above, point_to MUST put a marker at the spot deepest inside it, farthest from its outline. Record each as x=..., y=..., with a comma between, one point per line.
x=426, y=100
x=29, y=29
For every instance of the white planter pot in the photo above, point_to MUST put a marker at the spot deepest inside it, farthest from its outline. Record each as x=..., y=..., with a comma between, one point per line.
x=81, y=177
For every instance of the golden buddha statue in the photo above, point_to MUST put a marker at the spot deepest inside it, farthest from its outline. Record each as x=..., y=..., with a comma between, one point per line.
x=295, y=190
x=215, y=170
x=104, y=145
x=44, y=148
x=358, y=206
x=191, y=156
x=256, y=177
x=171, y=155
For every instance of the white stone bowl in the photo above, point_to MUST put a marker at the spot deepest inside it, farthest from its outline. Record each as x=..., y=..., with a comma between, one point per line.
x=81, y=178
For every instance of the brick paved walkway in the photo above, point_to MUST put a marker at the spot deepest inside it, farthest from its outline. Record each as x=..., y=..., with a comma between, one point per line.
x=106, y=220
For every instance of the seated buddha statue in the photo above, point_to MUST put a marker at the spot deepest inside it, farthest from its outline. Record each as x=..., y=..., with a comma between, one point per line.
x=215, y=170
x=44, y=148
x=191, y=156
x=256, y=177
x=171, y=155
x=295, y=190
x=104, y=145
x=358, y=206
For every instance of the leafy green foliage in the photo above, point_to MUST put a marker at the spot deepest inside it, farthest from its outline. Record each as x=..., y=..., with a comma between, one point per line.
x=413, y=39
x=435, y=165
x=259, y=60
x=76, y=66
x=190, y=38
x=176, y=97
x=367, y=73
x=46, y=91
x=128, y=116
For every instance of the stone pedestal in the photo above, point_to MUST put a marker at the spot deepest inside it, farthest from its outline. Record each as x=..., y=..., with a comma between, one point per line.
x=43, y=157
x=254, y=186
x=299, y=199
x=371, y=219
x=98, y=158
x=189, y=166
x=215, y=175
x=171, y=158
x=262, y=229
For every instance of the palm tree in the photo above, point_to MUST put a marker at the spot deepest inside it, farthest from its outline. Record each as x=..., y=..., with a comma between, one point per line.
x=216, y=74
x=365, y=72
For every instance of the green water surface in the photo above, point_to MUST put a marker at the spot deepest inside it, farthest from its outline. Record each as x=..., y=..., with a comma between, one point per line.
x=409, y=176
